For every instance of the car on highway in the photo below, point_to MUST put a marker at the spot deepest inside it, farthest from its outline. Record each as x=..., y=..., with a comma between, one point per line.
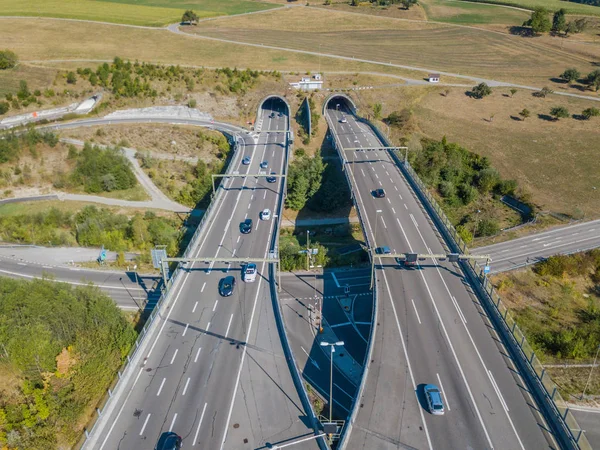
x=343, y=119
x=385, y=250
x=168, y=441
x=265, y=214
x=379, y=193
x=272, y=179
x=272, y=116
x=280, y=114
x=264, y=164
x=246, y=161
x=227, y=286
x=434, y=399
x=246, y=226
x=249, y=273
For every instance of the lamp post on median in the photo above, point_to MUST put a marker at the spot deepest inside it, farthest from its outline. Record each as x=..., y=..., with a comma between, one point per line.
x=591, y=370
x=375, y=247
x=331, y=345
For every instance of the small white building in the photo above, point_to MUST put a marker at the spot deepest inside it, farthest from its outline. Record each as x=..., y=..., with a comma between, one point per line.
x=433, y=77
x=309, y=83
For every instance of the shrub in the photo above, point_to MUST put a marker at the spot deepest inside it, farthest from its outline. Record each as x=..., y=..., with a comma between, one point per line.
x=481, y=90
x=4, y=107
x=8, y=59
x=487, y=227
x=94, y=164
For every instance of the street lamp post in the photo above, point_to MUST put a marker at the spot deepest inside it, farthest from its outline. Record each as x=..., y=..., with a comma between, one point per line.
x=375, y=247
x=307, y=249
x=331, y=345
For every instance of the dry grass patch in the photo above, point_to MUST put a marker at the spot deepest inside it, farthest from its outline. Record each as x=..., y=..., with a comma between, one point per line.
x=184, y=141
x=434, y=46
x=59, y=40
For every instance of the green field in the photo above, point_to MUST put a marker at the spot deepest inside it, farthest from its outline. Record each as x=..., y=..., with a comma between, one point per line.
x=464, y=13
x=142, y=12
x=552, y=5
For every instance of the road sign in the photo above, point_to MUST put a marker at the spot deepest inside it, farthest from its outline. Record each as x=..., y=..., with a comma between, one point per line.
x=486, y=269
x=158, y=254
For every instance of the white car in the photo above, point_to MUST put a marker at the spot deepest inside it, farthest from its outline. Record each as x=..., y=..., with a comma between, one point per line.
x=265, y=214
x=249, y=273
x=343, y=119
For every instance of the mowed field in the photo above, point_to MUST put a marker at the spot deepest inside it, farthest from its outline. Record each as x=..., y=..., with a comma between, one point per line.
x=462, y=50
x=551, y=5
x=132, y=12
x=64, y=41
x=466, y=13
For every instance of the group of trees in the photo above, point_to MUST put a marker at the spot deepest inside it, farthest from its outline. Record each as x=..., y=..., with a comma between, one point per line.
x=92, y=226
x=540, y=22
x=575, y=338
x=12, y=144
x=405, y=3
x=62, y=346
x=100, y=169
x=23, y=97
x=460, y=177
x=305, y=176
x=592, y=79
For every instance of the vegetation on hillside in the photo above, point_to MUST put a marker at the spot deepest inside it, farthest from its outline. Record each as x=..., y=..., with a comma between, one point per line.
x=93, y=227
x=8, y=59
x=100, y=169
x=60, y=347
x=557, y=304
x=461, y=178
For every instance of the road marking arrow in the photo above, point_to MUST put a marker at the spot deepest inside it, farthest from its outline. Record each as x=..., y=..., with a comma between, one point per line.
x=311, y=360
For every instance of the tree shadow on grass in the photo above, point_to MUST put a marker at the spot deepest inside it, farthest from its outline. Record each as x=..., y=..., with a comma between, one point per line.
x=517, y=119
x=546, y=117
x=521, y=31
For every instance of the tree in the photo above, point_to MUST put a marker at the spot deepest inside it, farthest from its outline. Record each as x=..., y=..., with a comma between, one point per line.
x=570, y=75
x=513, y=91
x=23, y=91
x=481, y=90
x=576, y=26
x=377, y=108
x=8, y=59
x=487, y=179
x=559, y=21
x=354, y=2
x=539, y=21
x=542, y=93
x=593, y=79
x=4, y=107
x=189, y=17
x=590, y=112
x=559, y=112
x=71, y=78
x=408, y=3
x=487, y=227
x=525, y=113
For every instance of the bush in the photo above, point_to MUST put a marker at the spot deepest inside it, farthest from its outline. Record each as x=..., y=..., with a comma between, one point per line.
x=71, y=78
x=559, y=112
x=481, y=90
x=8, y=59
x=192, y=103
x=487, y=227
x=4, y=107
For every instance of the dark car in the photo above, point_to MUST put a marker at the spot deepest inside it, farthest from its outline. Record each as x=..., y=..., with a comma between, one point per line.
x=379, y=193
x=272, y=115
x=168, y=441
x=226, y=286
x=246, y=226
x=434, y=399
x=272, y=179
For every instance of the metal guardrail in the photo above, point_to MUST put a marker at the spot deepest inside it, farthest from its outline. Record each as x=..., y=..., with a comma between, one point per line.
x=354, y=409
x=287, y=349
x=164, y=299
x=554, y=408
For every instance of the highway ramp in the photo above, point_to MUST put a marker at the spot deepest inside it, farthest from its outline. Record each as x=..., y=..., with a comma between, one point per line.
x=430, y=327
x=215, y=372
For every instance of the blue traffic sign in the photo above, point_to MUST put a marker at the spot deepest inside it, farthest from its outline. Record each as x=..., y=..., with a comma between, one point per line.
x=486, y=269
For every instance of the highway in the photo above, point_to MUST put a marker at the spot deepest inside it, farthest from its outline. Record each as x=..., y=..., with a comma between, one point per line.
x=215, y=372
x=535, y=247
x=430, y=329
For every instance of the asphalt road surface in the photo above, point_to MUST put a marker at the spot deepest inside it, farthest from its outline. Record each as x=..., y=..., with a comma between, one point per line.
x=538, y=246
x=430, y=330
x=302, y=295
x=216, y=373
x=129, y=290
